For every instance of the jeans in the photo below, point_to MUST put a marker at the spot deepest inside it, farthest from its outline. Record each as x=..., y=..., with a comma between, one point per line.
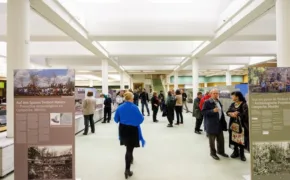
x=198, y=123
x=89, y=119
x=107, y=113
x=146, y=105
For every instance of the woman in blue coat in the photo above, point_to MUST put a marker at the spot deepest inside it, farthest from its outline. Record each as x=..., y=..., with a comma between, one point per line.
x=129, y=118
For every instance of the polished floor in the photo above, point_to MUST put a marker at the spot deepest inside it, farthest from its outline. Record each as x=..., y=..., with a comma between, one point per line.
x=170, y=154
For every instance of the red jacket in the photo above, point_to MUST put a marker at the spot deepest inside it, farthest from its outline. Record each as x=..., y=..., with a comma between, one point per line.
x=206, y=97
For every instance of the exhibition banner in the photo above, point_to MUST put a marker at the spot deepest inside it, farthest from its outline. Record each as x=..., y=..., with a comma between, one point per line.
x=269, y=101
x=44, y=120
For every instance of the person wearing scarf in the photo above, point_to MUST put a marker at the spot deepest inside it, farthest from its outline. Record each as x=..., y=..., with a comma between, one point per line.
x=129, y=118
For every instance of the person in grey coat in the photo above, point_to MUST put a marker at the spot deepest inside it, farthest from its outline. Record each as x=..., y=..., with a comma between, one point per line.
x=197, y=113
x=215, y=124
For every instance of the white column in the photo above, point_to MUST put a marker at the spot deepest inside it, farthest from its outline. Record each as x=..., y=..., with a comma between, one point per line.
x=228, y=78
x=195, y=77
x=122, y=86
x=205, y=84
x=105, y=84
x=91, y=83
x=131, y=84
x=282, y=32
x=175, y=80
x=18, y=37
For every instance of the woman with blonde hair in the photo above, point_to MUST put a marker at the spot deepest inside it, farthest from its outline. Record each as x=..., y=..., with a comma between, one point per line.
x=89, y=108
x=129, y=118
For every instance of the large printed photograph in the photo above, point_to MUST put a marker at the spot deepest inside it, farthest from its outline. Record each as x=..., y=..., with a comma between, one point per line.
x=269, y=80
x=44, y=82
x=271, y=158
x=50, y=162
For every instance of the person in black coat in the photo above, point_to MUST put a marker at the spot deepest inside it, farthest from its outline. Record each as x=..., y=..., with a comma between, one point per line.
x=136, y=98
x=239, y=109
x=155, y=106
x=144, y=101
x=197, y=113
x=107, y=108
x=215, y=124
x=170, y=107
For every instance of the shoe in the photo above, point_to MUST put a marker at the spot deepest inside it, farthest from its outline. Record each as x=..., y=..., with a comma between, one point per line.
x=85, y=133
x=200, y=130
x=108, y=121
x=128, y=173
x=235, y=154
x=223, y=154
x=181, y=123
x=104, y=122
x=176, y=124
x=214, y=156
x=156, y=121
x=169, y=125
x=197, y=132
x=148, y=115
x=143, y=114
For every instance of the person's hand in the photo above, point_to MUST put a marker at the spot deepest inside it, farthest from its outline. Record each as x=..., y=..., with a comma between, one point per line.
x=155, y=105
x=216, y=109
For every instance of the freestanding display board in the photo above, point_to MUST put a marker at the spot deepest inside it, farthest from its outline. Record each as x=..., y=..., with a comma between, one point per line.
x=269, y=101
x=44, y=142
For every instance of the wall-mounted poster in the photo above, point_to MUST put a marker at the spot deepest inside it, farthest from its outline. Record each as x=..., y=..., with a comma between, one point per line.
x=269, y=101
x=44, y=141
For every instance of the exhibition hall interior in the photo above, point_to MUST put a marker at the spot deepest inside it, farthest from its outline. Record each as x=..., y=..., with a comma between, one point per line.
x=70, y=68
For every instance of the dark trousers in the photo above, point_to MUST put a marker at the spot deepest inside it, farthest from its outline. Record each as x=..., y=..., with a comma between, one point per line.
x=107, y=114
x=155, y=111
x=220, y=143
x=129, y=156
x=179, y=116
x=198, y=123
x=146, y=105
x=89, y=119
x=136, y=102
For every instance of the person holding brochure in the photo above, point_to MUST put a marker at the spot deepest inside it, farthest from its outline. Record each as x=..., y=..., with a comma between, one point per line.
x=89, y=108
x=129, y=118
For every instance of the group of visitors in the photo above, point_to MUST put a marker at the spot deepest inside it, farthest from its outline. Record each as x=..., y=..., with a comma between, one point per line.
x=210, y=109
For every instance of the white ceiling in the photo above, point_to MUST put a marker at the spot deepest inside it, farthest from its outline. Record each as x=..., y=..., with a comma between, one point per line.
x=149, y=35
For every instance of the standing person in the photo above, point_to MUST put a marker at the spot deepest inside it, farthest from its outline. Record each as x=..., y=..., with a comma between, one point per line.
x=89, y=108
x=129, y=118
x=197, y=113
x=119, y=98
x=178, y=107
x=238, y=110
x=144, y=101
x=162, y=100
x=184, y=100
x=155, y=106
x=215, y=124
x=107, y=108
x=203, y=99
x=136, y=98
x=170, y=105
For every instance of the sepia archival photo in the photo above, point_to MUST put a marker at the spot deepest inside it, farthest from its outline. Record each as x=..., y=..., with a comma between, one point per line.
x=50, y=162
x=271, y=158
x=44, y=82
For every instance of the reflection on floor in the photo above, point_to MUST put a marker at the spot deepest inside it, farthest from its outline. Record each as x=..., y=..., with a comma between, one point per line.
x=170, y=154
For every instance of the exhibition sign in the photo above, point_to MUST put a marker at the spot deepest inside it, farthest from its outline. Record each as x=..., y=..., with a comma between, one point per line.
x=44, y=120
x=269, y=101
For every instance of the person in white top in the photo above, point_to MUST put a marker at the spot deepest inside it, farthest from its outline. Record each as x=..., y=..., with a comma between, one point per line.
x=119, y=98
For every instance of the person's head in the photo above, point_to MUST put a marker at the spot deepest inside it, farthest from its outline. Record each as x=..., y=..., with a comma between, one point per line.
x=121, y=93
x=128, y=96
x=238, y=96
x=154, y=93
x=199, y=95
x=90, y=94
x=181, y=91
x=214, y=94
x=169, y=93
x=177, y=92
x=207, y=93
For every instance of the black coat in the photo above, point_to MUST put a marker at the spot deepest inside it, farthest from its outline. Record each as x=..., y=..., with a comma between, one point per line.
x=108, y=102
x=144, y=97
x=196, y=109
x=213, y=124
x=154, y=100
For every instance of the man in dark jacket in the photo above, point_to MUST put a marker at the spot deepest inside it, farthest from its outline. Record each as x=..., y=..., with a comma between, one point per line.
x=107, y=108
x=136, y=98
x=197, y=113
x=215, y=124
x=144, y=101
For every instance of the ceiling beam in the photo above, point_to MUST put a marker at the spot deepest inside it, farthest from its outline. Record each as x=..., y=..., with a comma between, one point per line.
x=240, y=20
x=56, y=14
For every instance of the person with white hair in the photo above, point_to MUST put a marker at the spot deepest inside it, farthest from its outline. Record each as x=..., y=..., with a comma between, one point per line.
x=215, y=124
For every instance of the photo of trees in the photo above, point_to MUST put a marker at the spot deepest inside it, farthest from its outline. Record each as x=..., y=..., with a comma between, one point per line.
x=271, y=158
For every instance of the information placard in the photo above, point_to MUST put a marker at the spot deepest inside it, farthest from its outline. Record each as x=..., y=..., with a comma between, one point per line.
x=269, y=101
x=44, y=141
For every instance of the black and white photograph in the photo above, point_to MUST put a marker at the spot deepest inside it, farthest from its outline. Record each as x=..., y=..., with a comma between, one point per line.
x=63, y=119
x=54, y=119
x=271, y=158
x=50, y=162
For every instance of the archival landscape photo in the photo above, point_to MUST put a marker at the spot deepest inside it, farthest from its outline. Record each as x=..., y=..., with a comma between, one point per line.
x=44, y=82
x=50, y=162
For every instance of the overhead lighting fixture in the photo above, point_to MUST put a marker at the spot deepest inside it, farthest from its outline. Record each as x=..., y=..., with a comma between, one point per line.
x=148, y=71
x=83, y=71
x=100, y=48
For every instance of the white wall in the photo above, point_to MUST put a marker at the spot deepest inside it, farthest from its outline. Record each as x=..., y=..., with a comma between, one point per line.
x=98, y=83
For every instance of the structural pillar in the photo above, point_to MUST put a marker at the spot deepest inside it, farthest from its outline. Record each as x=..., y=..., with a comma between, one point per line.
x=205, y=85
x=105, y=84
x=282, y=32
x=175, y=80
x=195, y=77
x=122, y=86
x=91, y=83
x=228, y=78
x=18, y=37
